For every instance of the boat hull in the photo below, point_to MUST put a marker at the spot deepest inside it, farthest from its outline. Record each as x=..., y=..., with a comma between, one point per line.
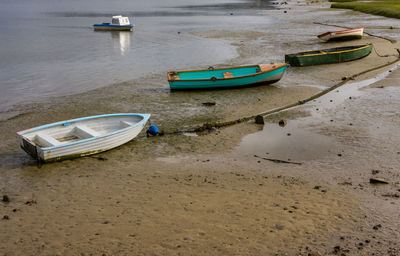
x=216, y=82
x=113, y=27
x=348, y=34
x=329, y=56
x=83, y=147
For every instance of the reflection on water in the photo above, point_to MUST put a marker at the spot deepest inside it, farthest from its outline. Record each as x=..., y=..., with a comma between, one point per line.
x=289, y=143
x=58, y=53
x=121, y=40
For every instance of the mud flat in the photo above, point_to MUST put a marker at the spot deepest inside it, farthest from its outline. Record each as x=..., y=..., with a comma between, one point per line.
x=298, y=189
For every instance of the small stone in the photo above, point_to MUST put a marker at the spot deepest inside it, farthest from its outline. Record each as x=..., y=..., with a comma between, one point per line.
x=375, y=172
x=336, y=249
x=5, y=217
x=376, y=227
x=259, y=119
x=289, y=134
x=208, y=104
x=30, y=202
x=6, y=199
x=317, y=187
x=339, y=154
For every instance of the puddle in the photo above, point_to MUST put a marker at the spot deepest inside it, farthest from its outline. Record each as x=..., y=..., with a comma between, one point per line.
x=288, y=143
x=296, y=144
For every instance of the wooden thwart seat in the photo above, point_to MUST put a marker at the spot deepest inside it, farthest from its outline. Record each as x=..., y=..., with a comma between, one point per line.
x=85, y=132
x=125, y=124
x=227, y=74
x=46, y=140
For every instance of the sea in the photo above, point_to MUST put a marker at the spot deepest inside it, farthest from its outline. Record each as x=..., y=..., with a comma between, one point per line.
x=48, y=48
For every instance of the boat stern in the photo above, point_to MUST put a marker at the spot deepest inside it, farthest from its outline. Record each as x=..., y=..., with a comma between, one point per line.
x=28, y=146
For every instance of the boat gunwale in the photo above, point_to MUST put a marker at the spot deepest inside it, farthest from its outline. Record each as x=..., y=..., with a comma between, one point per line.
x=360, y=47
x=38, y=128
x=340, y=31
x=170, y=73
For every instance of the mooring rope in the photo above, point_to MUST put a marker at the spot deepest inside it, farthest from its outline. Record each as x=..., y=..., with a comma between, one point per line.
x=208, y=126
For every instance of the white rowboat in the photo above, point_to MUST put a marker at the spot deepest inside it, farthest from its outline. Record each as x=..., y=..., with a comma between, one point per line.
x=342, y=34
x=81, y=136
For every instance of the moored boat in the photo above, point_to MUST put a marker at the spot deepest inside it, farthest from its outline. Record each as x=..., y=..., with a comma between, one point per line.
x=347, y=34
x=329, y=56
x=213, y=78
x=118, y=23
x=81, y=136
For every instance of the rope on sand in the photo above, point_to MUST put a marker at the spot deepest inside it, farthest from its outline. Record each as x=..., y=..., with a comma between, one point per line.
x=209, y=126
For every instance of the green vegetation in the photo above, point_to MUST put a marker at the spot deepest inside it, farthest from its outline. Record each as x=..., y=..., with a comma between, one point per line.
x=387, y=8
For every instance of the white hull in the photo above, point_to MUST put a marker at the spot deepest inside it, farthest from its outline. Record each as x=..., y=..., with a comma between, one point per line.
x=53, y=142
x=343, y=34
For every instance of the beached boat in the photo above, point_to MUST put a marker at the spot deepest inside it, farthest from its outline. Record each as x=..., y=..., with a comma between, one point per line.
x=347, y=34
x=212, y=78
x=81, y=136
x=328, y=56
x=118, y=23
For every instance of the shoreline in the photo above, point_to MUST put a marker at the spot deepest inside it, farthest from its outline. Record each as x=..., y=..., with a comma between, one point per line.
x=209, y=194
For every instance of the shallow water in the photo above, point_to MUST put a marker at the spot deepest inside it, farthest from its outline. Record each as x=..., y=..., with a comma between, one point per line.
x=294, y=143
x=49, y=48
x=289, y=143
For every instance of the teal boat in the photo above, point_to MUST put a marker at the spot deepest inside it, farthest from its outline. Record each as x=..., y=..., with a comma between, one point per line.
x=213, y=78
x=328, y=56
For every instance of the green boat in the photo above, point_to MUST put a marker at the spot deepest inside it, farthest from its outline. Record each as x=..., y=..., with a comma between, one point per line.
x=213, y=78
x=328, y=56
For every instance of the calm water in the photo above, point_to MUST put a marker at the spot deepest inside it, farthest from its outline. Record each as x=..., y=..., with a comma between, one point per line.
x=48, y=48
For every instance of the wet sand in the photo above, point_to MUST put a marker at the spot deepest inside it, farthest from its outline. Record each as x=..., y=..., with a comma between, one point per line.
x=217, y=193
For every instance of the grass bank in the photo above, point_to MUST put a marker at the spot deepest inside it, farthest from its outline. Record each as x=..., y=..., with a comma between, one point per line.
x=379, y=7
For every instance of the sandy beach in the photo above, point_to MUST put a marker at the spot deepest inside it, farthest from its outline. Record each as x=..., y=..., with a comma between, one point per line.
x=247, y=189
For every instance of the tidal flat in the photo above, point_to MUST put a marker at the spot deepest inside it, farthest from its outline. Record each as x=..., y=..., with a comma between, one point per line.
x=220, y=192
